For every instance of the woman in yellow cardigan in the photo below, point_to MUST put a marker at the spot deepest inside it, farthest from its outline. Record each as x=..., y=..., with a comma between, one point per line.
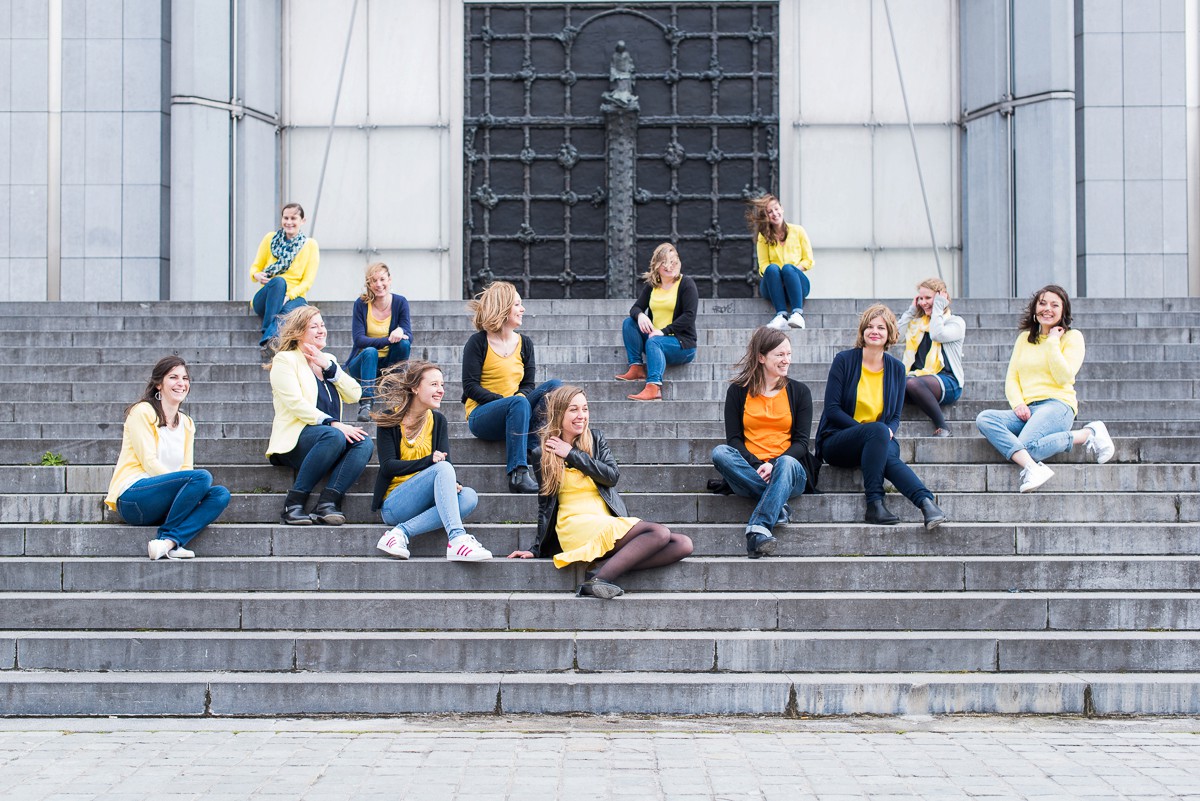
x=154, y=482
x=286, y=266
x=308, y=388
x=784, y=259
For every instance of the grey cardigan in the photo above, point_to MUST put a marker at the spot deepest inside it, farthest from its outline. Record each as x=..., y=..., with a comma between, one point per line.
x=948, y=330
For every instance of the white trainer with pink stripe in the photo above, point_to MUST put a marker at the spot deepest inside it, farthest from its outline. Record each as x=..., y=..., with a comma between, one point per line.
x=465, y=548
x=394, y=543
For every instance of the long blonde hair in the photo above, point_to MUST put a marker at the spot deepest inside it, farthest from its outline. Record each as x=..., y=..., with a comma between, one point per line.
x=749, y=372
x=376, y=267
x=397, y=388
x=492, y=306
x=552, y=464
x=292, y=328
x=652, y=276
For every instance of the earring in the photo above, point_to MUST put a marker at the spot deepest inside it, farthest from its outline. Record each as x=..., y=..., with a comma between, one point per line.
x=158, y=396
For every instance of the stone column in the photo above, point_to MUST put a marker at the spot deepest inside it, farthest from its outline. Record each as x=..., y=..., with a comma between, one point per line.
x=620, y=110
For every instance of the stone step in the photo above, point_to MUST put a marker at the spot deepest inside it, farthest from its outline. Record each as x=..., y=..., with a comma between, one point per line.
x=673, y=508
x=612, y=652
x=949, y=574
x=639, y=611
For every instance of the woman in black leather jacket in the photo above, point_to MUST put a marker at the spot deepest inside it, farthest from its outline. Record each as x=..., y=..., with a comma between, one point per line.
x=581, y=518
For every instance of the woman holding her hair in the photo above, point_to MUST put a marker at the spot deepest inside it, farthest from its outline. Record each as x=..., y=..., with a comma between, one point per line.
x=581, y=518
x=154, y=482
x=784, y=259
x=499, y=394
x=661, y=326
x=381, y=330
x=417, y=489
x=933, y=347
x=285, y=267
x=1040, y=388
x=766, y=455
x=307, y=434
x=863, y=398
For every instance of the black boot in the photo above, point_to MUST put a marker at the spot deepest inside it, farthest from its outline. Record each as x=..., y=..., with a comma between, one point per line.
x=760, y=544
x=328, y=511
x=934, y=516
x=364, y=410
x=880, y=515
x=293, y=510
x=519, y=480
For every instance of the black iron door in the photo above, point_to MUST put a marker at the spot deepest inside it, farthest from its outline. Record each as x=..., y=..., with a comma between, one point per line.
x=693, y=89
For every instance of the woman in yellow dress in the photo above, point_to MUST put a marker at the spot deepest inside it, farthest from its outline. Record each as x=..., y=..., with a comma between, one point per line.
x=581, y=518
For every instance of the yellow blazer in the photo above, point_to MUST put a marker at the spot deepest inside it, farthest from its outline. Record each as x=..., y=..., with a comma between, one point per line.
x=294, y=393
x=139, y=449
x=299, y=275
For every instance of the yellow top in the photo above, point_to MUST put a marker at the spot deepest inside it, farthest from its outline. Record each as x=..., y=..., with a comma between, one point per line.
x=294, y=395
x=767, y=423
x=1045, y=370
x=662, y=305
x=869, y=404
x=412, y=449
x=586, y=528
x=139, y=450
x=378, y=329
x=299, y=275
x=793, y=250
x=500, y=374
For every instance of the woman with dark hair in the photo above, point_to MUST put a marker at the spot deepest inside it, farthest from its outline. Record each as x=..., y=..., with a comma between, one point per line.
x=784, y=259
x=307, y=434
x=417, y=489
x=661, y=326
x=382, y=333
x=286, y=266
x=500, y=397
x=766, y=455
x=1040, y=388
x=154, y=482
x=863, y=398
x=581, y=518
x=933, y=352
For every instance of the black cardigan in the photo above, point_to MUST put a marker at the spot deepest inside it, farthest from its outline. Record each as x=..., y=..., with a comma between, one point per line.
x=800, y=402
x=683, y=322
x=474, y=352
x=841, y=393
x=601, y=468
x=387, y=440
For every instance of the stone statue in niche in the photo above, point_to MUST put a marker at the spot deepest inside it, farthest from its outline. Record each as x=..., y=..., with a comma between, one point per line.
x=620, y=74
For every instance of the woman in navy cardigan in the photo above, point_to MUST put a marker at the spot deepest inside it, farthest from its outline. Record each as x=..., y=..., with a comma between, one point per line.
x=863, y=399
x=382, y=334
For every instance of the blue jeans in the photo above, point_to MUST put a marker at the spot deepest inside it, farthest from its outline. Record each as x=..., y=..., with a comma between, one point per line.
x=181, y=504
x=787, y=481
x=428, y=500
x=1045, y=433
x=270, y=303
x=786, y=287
x=323, y=451
x=869, y=446
x=366, y=364
x=509, y=419
x=659, y=351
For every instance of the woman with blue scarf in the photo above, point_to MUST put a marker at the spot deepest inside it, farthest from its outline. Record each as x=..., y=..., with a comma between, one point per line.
x=286, y=266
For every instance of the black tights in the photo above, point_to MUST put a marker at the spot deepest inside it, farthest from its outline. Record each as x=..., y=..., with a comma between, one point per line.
x=644, y=546
x=924, y=391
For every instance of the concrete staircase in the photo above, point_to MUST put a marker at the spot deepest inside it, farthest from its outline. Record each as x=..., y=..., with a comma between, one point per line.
x=1079, y=598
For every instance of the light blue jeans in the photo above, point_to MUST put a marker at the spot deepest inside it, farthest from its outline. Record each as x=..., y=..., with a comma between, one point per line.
x=787, y=481
x=428, y=500
x=659, y=351
x=1045, y=433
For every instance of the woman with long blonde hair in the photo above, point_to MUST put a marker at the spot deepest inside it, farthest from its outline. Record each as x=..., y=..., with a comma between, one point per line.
x=933, y=352
x=381, y=330
x=661, y=326
x=581, y=517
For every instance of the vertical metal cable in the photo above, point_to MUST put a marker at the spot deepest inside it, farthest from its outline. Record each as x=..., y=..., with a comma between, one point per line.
x=312, y=226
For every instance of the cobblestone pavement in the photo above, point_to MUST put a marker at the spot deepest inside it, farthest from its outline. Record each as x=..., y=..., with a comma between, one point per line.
x=477, y=759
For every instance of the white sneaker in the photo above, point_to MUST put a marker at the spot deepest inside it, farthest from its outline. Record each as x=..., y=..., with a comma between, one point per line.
x=1100, y=445
x=796, y=320
x=394, y=543
x=465, y=548
x=779, y=322
x=181, y=553
x=157, y=549
x=1035, y=476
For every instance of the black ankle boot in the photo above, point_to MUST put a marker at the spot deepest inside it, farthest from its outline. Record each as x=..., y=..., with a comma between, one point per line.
x=293, y=510
x=364, y=410
x=328, y=511
x=519, y=480
x=880, y=515
x=934, y=516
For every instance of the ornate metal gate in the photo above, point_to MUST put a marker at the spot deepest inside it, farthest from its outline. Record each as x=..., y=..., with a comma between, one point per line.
x=695, y=115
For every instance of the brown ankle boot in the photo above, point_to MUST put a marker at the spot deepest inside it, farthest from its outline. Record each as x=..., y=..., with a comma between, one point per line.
x=636, y=372
x=652, y=392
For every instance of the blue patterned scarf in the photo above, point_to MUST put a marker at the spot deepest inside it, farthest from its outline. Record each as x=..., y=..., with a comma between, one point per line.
x=284, y=250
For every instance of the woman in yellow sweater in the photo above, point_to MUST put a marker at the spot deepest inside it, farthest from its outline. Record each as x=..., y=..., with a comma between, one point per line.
x=154, y=483
x=1040, y=387
x=784, y=259
x=285, y=266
